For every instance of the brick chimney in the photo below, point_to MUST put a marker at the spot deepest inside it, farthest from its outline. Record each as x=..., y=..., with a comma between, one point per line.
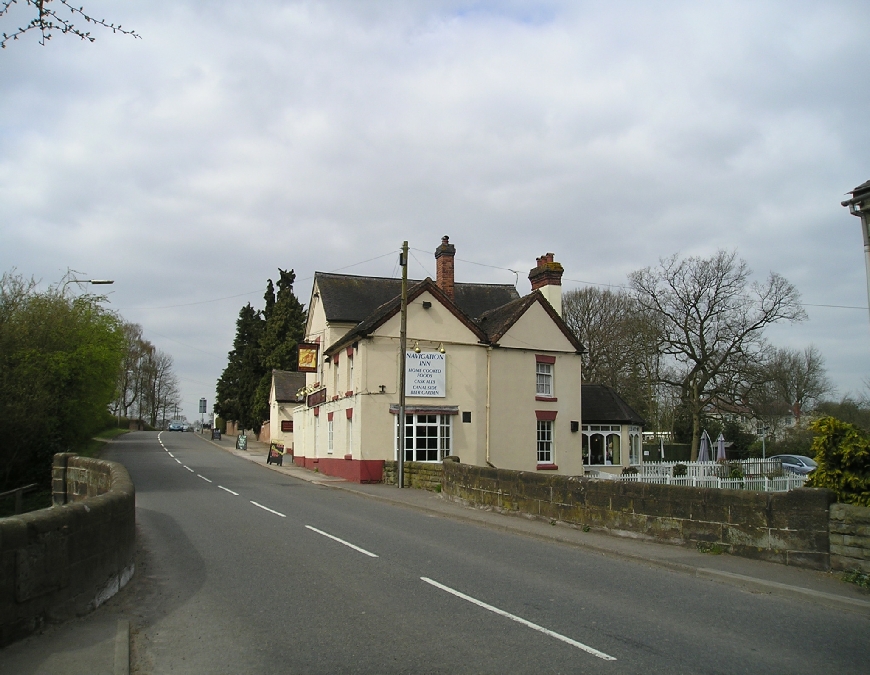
x=547, y=277
x=444, y=266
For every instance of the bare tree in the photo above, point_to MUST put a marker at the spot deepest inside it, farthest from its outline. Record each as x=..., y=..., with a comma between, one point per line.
x=797, y=379
x=622, y=345
x=712, y=318
x=129, y=377
x=45, y=19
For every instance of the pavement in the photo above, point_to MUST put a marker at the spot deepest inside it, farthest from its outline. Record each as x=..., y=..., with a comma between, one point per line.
x=100, y=642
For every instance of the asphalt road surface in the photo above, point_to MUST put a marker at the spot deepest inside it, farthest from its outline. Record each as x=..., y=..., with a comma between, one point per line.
x=245, y=570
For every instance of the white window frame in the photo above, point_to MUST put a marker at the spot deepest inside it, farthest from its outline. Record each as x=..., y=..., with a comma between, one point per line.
x=350, y=435
x=607, y=431
x=634, y=445
x=545, y=441
x=350, y=373
x=544, y=379
x=330, y=436
x=443, y=428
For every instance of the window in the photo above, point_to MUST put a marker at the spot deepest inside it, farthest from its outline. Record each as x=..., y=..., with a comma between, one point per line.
x=544, y=373
x=287, y=426
x=602, y=444
x=427, y=437
x=330, y=438
x=634, y=445
x=350, y=435
x=350, y=372
x=545, y=442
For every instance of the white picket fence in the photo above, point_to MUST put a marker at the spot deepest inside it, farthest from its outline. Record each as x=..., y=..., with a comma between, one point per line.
x=760, y=475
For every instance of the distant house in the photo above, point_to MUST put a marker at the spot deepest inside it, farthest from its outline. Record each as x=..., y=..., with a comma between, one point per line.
x=612, y=430
x=491, y=377
x=283, y=398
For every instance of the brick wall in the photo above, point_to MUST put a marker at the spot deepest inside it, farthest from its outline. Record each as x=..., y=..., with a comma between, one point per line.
x=68, y=559
x=850, y=537
x=420, y=475
x=786, y=527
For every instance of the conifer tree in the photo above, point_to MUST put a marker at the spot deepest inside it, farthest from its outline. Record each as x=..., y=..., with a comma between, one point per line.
x=265, y=340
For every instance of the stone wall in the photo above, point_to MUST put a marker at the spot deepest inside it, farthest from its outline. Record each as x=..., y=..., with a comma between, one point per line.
x=850, y=537
x=420, y=475
x=786, y=527
x=68, y=559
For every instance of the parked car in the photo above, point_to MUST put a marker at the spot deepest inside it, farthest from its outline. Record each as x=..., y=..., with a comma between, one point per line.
x=796, y=463
x=176, y=426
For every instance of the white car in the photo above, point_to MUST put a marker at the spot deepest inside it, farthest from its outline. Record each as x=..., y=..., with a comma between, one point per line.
x=798, y=464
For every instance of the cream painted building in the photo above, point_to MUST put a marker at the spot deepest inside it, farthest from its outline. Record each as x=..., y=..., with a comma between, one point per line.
x=612, y=430
x=283, y=399
x=493, y=378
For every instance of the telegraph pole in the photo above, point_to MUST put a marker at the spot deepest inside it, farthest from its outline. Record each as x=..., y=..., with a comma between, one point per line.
x=403, y=345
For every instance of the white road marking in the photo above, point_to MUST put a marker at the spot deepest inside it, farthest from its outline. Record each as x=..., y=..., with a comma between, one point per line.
x=170, y=454
x=188, y=468
x=204, y=478
x=266, y=508
x=177, y=460
x=528, y=624
x=342, y=541
x=228, y=490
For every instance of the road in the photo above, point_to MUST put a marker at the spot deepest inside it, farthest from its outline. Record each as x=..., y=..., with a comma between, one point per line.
x=245, y=570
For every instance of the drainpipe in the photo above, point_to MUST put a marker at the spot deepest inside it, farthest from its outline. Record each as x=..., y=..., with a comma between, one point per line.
x=488, y=393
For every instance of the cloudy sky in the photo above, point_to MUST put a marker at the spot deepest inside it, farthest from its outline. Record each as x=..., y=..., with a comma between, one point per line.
x=235, y=138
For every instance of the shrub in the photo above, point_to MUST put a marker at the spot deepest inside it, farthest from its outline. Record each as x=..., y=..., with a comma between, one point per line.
x=842, y=451
x=680, y=470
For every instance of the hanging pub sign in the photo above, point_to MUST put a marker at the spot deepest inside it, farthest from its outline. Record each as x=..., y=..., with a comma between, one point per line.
x=425, y=374
x=307, y=357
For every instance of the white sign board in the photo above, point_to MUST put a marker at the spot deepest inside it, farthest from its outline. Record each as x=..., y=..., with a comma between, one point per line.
x=425, y=374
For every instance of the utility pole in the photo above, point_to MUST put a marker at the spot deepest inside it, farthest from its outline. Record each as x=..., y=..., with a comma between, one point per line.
x=859, y=206
x=403, y=345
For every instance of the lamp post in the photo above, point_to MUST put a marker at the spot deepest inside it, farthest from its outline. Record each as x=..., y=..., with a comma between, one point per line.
x=859, y=206
x=764, y=430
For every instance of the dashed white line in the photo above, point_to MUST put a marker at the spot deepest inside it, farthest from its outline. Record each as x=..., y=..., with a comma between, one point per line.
x=170, y=454
x=177, y=460
x=342, y=541
x=266, y=508
x=204, y=478
x=228, y=490
x=189, y=469
x=524, y=622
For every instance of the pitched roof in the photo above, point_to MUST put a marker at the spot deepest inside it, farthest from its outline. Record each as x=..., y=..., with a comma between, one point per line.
x=287, y=383
x=393, y=306
x=496, y=322
x=601, y=404
x=351, y=299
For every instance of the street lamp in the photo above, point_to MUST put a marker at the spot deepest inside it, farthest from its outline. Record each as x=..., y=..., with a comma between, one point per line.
x=95, y=282
x=859, y=206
